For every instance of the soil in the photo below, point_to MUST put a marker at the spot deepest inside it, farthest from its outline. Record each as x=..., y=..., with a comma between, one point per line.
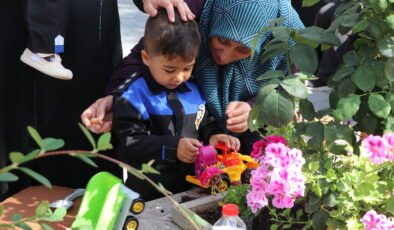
x=186, y=199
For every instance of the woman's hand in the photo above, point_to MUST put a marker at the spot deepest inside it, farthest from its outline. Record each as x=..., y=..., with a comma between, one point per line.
x=237, y=113
x=229, y=141
x=98, y=117
x=151, y=6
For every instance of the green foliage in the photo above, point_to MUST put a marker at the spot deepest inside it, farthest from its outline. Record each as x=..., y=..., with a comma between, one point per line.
x=237, y=195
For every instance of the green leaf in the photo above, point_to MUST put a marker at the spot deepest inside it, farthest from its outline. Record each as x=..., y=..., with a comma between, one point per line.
x=306, y=3
x=389, y=69
x=346, y=87
x=330, y=200
x=304, y=58
x=86, y=159
x=36, y=136
x=364, y=78
x=17, y=157
x=271, y=74
x=60, y=212
x=335, y=131
x=316, y=189
x=335, y=224
x=386, y=46
x=390, y=205
x=351, y=58
x=33, y=154
x=146, y=168
x=277, y=109
x=349, y=20
x=315, y=131
x=88, y=135
x=364, y=189
x=272, y=49
x=24, y=226
x=307, y=110
x=294, y=87
x=378, y=105
x=253, y=122
x=336, y=213
x=343, y=72
x=1, y=210
x=45, y=226
x=312, y=34
x=42, y=209
x=16, y=217
x=36, y=176
x=390, y=21
x=319, y=220
x=360, y=26
x=347, y=107
x=81, y=223
x=104, y=142
x=281, y=33
x=52, y=143
x=8, y=177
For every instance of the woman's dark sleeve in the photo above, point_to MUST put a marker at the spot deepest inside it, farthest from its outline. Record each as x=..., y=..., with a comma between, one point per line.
x=129, y=65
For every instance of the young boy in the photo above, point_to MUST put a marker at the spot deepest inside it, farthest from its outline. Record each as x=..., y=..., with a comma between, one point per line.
x=46, y=23
x=159, y=114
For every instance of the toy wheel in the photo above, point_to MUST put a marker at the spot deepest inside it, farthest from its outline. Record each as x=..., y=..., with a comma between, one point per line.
x=137, y=206
x=222, y=183
x=246, y=175
x=131, y=223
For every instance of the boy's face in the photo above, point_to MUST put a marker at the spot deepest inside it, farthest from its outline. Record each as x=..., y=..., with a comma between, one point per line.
x=166, y=72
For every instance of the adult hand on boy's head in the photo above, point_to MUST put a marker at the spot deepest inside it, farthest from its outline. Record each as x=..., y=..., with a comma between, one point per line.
x=188, y=149
x=98, y=116
x=229, y=141
x=151, y=6
x=237, y=113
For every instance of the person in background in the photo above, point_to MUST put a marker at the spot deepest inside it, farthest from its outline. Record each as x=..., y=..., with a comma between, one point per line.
x=51, y=106
x=46, y=22
x=160, y=114
x=223, y=70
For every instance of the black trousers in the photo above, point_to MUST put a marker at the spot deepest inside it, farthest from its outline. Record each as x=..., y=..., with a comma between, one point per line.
x=46, y=19
x=53, y=107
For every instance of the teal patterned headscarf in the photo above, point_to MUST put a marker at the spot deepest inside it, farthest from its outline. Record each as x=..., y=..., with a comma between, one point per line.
x=240, y=21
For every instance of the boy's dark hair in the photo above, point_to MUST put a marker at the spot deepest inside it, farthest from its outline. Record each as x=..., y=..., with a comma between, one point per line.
x=172, y=40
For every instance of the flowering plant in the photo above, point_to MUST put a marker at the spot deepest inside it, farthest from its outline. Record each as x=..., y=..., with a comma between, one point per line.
x=279, y=175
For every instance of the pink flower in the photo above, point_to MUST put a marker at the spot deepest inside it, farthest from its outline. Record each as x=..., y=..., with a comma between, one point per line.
x=281, y=201
x=208, y=174
x=376, y=147
x=256, y=200
x=374, y=221
x=259, y=146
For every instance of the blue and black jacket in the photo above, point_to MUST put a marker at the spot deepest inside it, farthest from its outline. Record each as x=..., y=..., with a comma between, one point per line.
x=149, y=121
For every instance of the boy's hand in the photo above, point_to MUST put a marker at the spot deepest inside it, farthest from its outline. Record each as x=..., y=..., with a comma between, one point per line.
x=229, y=141
x=188, y=149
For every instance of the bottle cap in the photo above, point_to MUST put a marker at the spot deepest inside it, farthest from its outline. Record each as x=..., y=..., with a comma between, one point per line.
x=230, y=210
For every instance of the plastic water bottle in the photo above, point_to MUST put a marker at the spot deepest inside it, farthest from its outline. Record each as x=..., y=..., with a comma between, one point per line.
x=230, y=219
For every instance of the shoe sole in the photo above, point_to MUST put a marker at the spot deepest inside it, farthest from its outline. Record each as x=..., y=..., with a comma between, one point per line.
x=38, y=67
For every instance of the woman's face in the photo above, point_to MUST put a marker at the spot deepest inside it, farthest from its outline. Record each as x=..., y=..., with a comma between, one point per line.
x=225, y=51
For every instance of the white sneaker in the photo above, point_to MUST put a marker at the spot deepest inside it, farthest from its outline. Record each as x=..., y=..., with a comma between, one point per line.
x=52, y=67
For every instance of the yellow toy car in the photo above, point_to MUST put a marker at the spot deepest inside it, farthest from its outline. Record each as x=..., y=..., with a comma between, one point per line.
x=218, y=171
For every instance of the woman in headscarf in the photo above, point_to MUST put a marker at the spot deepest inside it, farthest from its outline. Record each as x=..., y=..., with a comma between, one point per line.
x=223, y=71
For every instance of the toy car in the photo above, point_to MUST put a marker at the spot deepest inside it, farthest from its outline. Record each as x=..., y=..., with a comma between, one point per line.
x=234, y=167
x=109, y=204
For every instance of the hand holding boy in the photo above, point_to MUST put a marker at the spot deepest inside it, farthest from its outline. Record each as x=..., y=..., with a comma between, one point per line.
x=229, y=141
x=188, y=149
